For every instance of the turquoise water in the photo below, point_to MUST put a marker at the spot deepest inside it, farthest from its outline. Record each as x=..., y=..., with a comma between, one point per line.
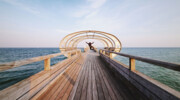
x=163, y=75
x=166, y=76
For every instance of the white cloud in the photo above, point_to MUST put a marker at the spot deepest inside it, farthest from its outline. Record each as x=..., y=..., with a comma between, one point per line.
x=22, y=6
x=96, y=3
x=90, y=9
x=81, y=13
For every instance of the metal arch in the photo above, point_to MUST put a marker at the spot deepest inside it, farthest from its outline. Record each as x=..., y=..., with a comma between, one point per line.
x=81, y=39
x=112, y=37
x=107, y=44
x=90, y=37
x=96, y=39
x=67, y=38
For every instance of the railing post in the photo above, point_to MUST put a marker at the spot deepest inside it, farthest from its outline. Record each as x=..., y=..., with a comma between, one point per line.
x=47, y=64
x=104, y=52
x=110, y=55
x=77, y=52
x=100, y=51
x=69, y=55
x=132, y=64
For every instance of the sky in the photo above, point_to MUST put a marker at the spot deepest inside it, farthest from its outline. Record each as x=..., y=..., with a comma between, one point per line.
x=43, y=23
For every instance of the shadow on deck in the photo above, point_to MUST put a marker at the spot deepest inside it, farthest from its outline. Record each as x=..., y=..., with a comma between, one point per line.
x=89, y=78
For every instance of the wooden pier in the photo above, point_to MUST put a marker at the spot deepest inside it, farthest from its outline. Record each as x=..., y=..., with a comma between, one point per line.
x=89, y=75
x=87, y=79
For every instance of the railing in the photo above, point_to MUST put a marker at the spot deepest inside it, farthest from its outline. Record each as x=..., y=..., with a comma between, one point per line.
x=27, y=88
x=148, y=86
x=86, y=48
x=46, y=58
x=132, y=59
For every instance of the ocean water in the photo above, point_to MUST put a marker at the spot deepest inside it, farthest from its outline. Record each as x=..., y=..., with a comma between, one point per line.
x=163, y=75
x=17, y=74
x=166, y=76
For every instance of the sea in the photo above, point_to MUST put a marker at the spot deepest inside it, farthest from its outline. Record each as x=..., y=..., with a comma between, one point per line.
x=166, y=76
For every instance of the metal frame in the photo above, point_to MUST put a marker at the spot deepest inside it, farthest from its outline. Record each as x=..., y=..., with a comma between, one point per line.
x=108, y=43
x=70, y=41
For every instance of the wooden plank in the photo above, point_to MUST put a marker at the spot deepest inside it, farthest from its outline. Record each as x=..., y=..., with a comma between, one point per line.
x=73, y=92
x=94, y=87
x=126, y=91
x=89, y=88
x=147, y=86
x=61, y=84
x=107, y=82
x=48, y=96
x=102, y=82
x=48, y=93
x=110, y=83
x=121, y=78
x=43, y=83
x=80, y=63
x=98, y=84
x=120, y=92
x=69, y=81
x=52, y=82
x=23, y=88
x=66, y=95
x=80, y=85
x=85, y=84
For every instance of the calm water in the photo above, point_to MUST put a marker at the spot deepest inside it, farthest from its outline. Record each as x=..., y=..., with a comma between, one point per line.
x=163, y=75
x=168, y=77
x=15, y=75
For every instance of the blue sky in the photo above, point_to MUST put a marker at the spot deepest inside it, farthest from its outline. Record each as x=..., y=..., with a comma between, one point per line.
x=43, y=23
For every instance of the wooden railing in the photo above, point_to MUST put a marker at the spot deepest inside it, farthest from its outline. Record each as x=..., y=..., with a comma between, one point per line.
x=27, y=88
x=132, y=59
x=46, y=58
x=86, y=48
x=148, y=86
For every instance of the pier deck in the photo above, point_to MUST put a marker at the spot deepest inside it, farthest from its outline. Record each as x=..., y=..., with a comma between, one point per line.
x=88, y=79
x=89, y=75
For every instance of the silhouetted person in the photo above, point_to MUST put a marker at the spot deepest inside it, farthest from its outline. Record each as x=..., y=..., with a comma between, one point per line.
x=90, y=45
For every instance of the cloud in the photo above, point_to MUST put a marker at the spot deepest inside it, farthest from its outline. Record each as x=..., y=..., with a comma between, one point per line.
x=81, y=13
x=90, y=8
x=96, y=3
x=22, y=6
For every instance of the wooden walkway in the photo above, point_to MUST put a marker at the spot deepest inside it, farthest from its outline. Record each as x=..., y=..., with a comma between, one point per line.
x=88, y=79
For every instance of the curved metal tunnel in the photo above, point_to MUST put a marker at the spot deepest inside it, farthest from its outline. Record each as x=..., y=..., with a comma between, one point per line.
x=71, y=41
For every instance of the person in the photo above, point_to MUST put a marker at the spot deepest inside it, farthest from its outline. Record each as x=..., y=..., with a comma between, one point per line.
x=90, y=45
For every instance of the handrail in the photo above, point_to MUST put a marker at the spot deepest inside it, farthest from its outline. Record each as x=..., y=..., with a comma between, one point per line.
x=46, y=58
x=168, y=65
